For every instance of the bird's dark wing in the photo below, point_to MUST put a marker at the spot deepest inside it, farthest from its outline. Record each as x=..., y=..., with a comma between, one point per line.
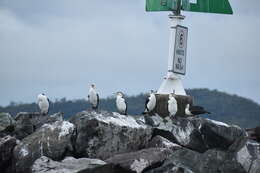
x=97, y=101
x=196, y=108
x=49, y=105
x=146, y=102
x=125, y=108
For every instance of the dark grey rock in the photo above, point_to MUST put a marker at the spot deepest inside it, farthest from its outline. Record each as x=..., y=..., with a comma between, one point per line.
x=247, y=153
x=198, y=134
x=51, y=140
x=140, y=161
x=161, y=142
x=7, y=145
x=212, y=161
x=7, y=124
x=255, y=166
x=102, y=135
x=27, y=123
x=220, y=135
x=69, y=165
x=254, y=133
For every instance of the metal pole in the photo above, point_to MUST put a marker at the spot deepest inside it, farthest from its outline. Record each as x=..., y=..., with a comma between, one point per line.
x=172, y=82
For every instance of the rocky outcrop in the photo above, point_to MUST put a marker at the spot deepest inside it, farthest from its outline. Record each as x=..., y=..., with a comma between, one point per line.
x=27, y=123
x=70, y=165
x=102, y=135
x=126, y=144
x=7, y=124
x=140, y=161
x=7, y=145
x=51, y=140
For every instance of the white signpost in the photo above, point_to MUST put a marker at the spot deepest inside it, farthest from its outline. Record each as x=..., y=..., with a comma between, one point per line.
x=177, y=59
x=180, y=50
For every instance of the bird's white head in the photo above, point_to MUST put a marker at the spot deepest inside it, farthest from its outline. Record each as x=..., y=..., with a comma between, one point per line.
x=92, y=86
x=119, y=94
x=171, y=95
x=41, y=97
x=188, y=106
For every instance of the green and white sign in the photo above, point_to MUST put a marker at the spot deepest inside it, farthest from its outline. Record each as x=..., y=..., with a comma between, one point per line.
x=180, y=50
x=206, y=6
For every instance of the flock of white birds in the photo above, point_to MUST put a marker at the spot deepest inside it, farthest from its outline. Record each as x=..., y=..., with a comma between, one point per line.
x=121, y=104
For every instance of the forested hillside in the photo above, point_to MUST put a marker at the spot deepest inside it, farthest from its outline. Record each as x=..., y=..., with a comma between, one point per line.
x=224, y=107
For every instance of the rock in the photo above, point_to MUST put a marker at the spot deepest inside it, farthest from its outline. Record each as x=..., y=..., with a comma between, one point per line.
x=27, y=123
x=51, y=140
x=140, y=161
x=198, y=134
x=102, y=135
x=255, y=167
x=220, y=135
x=7, y=124
x=212, y=161
x=254, y=133
x=161, y=142
x=247, y=153
x=69, y=165
x=7, y=145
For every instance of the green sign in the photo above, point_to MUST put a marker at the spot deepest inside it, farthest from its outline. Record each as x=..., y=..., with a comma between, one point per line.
x=207, y=6
x=161, y=5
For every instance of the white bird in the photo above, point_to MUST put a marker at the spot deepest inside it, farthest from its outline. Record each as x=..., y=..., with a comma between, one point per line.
x=43, y=103
x=150, y=102
x=172, y=105
x=195, y=110
x=93, y=97
x=121, y=103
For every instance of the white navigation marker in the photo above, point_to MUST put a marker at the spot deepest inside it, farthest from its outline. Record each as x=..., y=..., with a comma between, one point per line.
x=172, y=81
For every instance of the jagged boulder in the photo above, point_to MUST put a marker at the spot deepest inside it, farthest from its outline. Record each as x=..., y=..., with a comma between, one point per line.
x=7, y=145
x=139, y=161
x=161, y=142
x=70, y=165
x=27, y=123
x=7, y=124
x=51, y=140
x=212, y=161
x=102, y=135
x=247, y=153
x=198, y=134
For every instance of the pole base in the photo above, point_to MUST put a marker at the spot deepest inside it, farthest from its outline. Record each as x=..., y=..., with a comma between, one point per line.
x=171, y=84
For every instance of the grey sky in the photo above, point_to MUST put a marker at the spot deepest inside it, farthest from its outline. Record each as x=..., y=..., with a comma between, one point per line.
x=61, y=46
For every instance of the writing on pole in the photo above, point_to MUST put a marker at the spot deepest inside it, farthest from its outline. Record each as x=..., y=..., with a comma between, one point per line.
x=180, y=50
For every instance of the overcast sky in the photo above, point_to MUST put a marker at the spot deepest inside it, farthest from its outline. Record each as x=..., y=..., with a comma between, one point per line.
x=59, y=47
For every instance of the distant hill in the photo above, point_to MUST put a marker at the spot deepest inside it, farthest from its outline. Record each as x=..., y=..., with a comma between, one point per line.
x=224, y=107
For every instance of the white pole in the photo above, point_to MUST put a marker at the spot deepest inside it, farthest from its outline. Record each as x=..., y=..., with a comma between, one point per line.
x=172, y=81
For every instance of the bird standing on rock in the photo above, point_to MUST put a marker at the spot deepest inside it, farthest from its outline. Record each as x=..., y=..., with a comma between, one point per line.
x=93, y=97
x=172, y=105
x=195, y=110
x=150, y=102
x=43, y=103
x=121, y=103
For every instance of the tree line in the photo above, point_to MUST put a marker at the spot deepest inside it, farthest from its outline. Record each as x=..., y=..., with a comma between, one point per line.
x=228, y=108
